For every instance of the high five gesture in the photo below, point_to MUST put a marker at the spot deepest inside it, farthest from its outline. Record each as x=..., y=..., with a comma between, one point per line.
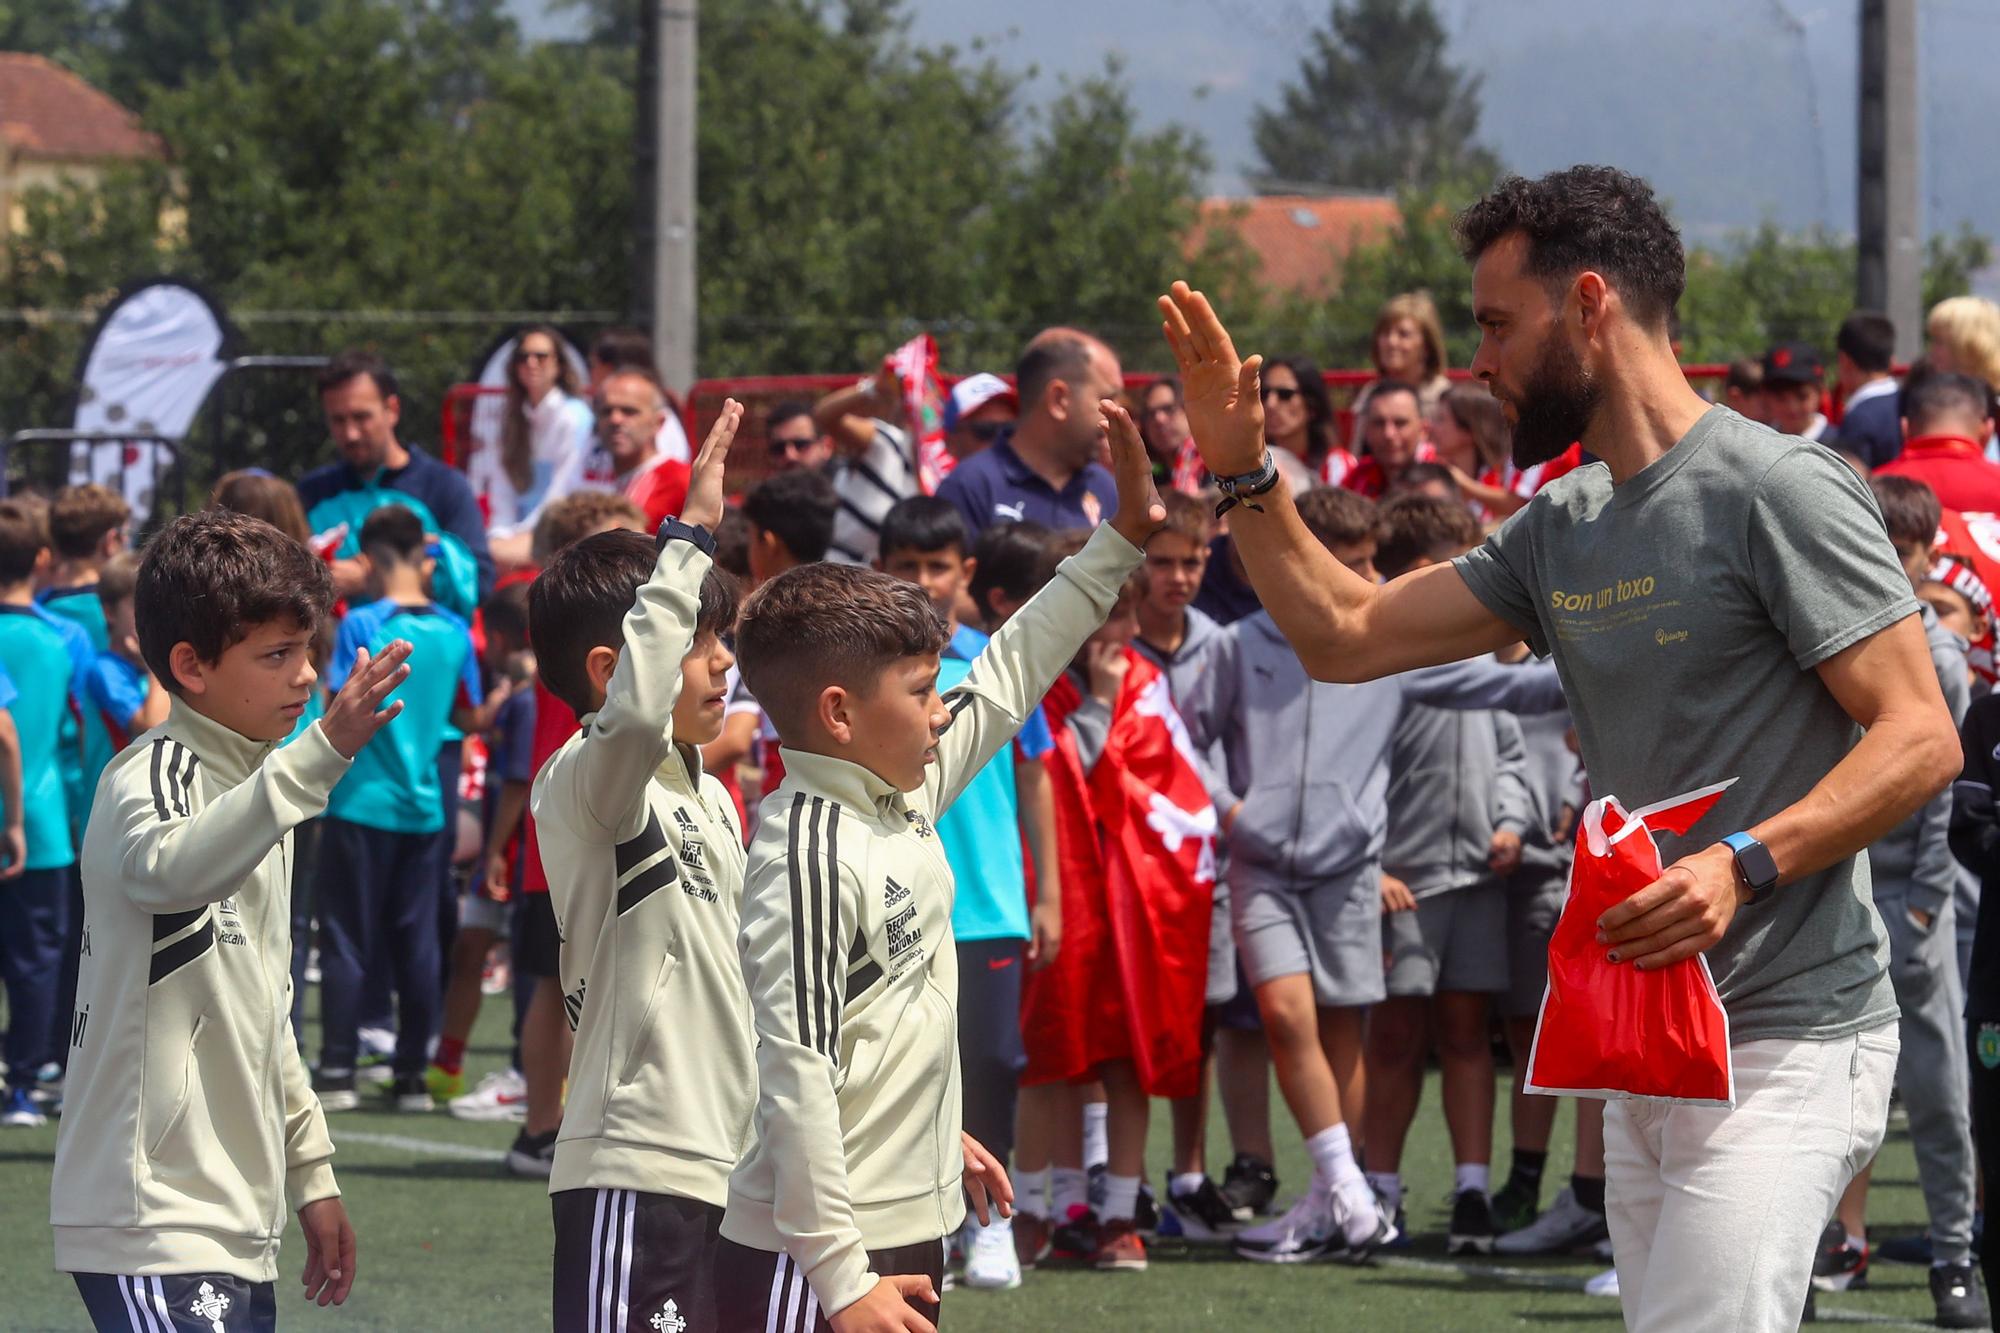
x=1224, y=407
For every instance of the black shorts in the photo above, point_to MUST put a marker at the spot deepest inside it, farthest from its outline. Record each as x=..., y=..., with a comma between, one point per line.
x=180, y=1303
x=761, y=1292
x=628, y=1262
x=537, y=943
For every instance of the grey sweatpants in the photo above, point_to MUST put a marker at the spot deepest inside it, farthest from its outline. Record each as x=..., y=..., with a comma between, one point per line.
x=1923, y=966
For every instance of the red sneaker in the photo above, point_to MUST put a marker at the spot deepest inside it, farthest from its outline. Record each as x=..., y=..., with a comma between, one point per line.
x=1119, y=1249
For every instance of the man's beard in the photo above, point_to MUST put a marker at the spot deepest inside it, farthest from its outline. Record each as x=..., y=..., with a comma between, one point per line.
x=1556, y=407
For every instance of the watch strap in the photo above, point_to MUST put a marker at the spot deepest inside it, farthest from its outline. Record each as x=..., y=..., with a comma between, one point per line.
x=675, y=530
x=1754, y=863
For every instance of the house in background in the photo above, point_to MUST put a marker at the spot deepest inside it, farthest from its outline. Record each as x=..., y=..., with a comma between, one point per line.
x=1300, y=241
x=55, y=129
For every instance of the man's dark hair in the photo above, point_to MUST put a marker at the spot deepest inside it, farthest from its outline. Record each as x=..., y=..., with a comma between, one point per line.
x=1015, y=559
x=790, y=410
x=353, y=363
x=1340, y=517
x=581, y=600
x=1746, y=374
x=81, y=516
x=1586, y=217
x=1868, y=338
x=624, y=348
x=1422, y=527
x=821, y=625
x=209, y=579
x=1928, y=398
x=395, y=531
x=1065, y=357
x=1383, y=388
x=24, y=535
x=1418, y=475
x=505, y=611
x=1910, y=510
x=798, y=508
x=923, y=523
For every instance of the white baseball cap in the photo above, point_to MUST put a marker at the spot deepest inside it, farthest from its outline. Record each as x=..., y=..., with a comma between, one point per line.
x=972, y=393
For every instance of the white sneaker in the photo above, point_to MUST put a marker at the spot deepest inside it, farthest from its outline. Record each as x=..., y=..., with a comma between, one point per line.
x=1567, y=1225
x=990, y=1261
x=1366, y=1221
x=1307, y=1230
x=1604, y=1284
x=501, y=1095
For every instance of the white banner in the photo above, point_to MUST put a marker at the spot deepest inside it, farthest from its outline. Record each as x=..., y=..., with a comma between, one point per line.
x=157, y=354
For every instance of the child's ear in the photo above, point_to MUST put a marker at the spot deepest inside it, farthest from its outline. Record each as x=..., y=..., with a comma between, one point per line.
x=833, y=712
x=968, y=567
x=598, y=664
x=187, y=668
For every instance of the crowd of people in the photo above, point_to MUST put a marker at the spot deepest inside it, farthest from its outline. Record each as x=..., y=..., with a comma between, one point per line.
x=1328, y=883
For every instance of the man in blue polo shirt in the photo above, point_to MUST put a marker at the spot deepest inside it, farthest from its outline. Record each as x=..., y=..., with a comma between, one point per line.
x=1045, y=470
x=358, y=394
x=384, y=836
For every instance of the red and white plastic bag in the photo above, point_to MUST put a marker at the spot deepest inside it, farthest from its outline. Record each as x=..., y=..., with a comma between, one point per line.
x=1608, y=1029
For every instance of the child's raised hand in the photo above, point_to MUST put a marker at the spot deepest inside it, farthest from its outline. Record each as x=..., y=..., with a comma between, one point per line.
x=356, y=713
x=1140, y=513
x=704, y=497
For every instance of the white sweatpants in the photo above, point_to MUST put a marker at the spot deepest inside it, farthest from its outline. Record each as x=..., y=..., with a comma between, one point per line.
x=1715, y=1214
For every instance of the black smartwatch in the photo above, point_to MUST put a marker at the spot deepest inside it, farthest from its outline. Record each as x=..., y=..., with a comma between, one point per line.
x=675, y=530
x=1754, y=863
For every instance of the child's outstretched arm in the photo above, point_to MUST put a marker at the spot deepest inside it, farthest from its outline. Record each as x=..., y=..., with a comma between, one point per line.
x=1031, y=649
x=633, y=732
x=176, y=859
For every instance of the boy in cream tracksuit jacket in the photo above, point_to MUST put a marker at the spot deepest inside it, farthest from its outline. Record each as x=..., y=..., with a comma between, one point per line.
x=645, y=868
x=190, y=1125
x=837, y=1217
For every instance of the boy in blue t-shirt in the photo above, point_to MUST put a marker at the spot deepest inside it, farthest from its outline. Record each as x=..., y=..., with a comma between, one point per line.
x=120, y=695
x=46, y=659
x=386, y=835
x=923, y=541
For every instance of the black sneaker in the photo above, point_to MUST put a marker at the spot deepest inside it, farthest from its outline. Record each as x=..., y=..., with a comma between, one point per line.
x=1248, y=1187
x=1146, y=1210
x=1076, y=1239
x=1839, y=1266
x=1516, y=1205
x=409, y=1092
x=532, y=1156
x=1203, y=1215
x=1955, y=1293
x=335, y=1090
x=1471, y=1224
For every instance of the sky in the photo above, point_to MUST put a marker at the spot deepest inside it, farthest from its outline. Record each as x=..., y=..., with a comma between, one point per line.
x=1739, y=111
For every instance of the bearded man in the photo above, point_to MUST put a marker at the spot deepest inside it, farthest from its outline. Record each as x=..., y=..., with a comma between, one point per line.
x=1721, y=602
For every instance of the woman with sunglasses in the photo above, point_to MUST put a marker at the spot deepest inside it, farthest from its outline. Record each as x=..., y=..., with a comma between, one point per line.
x=1298, y=421
x=1163, y=424
x=544, y=424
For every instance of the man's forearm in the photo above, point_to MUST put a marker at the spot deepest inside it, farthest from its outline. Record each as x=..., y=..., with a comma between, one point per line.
x=1900, y=764
x=1308, y=593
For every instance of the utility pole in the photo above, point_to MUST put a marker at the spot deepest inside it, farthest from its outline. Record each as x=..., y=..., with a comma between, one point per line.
x=1889, y=271
x=664, y=154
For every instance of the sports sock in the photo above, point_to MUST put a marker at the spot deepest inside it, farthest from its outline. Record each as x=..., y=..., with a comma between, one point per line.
x=1069, y=1187
x=1031, y=1191
x=1471, y=1176
x=1388, y=1184
x=450, y=1055
x=1855, y=1242
x=1333, y=1159
x=1589, y=1191
x=1181, y=1186
x=1096, y=1142
x=1121, y=1198
x=1527, y=1170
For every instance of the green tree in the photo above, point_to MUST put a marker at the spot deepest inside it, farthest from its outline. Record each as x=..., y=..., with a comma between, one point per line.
x=1378, y=106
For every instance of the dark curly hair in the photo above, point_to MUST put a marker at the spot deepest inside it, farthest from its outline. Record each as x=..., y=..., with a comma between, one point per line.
x=1585, y=217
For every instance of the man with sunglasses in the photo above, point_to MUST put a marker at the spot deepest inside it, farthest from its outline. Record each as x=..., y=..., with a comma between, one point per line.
x=793, y=440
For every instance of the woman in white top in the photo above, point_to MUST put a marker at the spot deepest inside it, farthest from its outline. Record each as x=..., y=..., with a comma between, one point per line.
x=545, y=425
x=1408, y=347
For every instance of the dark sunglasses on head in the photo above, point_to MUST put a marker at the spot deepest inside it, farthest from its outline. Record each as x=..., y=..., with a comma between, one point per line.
x=1282, y=395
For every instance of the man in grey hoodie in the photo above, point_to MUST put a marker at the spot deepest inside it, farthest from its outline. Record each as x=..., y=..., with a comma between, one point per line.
x=1459, y=811
x=1304, y=792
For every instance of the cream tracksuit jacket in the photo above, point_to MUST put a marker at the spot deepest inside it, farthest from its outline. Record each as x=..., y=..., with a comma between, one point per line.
x=853, y=974
x=646, y=877
x=190, y=1129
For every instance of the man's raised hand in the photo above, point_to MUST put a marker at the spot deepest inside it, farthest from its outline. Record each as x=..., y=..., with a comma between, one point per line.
x=704, y=497
x=1140, y=513
x=356, y=713
x=1225, y=406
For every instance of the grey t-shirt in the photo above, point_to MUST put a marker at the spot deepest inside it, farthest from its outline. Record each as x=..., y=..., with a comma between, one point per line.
x=1686, y=610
